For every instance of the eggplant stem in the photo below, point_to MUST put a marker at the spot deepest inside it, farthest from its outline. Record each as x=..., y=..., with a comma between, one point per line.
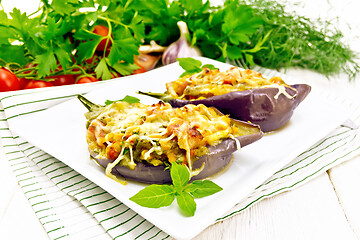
x=162, y=96
x=88, y=104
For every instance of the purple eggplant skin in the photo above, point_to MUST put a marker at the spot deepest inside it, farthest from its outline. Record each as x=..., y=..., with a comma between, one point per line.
x=257, y=105
x=219, y=156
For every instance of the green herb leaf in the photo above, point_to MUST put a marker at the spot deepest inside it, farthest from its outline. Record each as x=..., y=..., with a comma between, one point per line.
x=3, y=17
x=186, y=203
x=209, y=66
x=63, y=56
x=234, y=52
x=123, y=49
x=127, y=98
x=88, y=43
x=125, y=68
x=130, y=99
x=7, y=34
x=85, y=35
x=192, y=66
x=19, y=20
x=203, y=188
x=13, y=53
x=49, y=31
x=180, y=176
x=192, y=5
x=240, y=23
x=47, y=63
x=63, y=6
x=102, y=70
x=155, y=196
x=137, y=27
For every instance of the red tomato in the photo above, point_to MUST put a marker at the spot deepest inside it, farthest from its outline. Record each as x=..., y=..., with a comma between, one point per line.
x=23, y=82
x=116, y=75
x=90, y=60
x=8, y=81
x=102, y=31
x=139, y=70
x=30, y=65
x=38, y=84
x=62, y=80
x=87, y=80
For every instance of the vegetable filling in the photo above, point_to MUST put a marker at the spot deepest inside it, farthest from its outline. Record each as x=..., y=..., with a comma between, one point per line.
x=157, y=134
x=210, y=83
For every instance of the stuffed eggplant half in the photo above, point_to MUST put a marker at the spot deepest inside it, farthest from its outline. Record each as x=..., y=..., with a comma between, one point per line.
x=243, y=94
x=139, y=142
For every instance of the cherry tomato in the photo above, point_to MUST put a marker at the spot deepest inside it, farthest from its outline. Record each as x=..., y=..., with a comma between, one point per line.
x=30, y=64
x=139, y=70
x=23, y=82
x=86, y=80
x=102, y=31
x=73, y=58
x=38, y=84
x=8, y=81
x=62, y=80
x=115, y=75
x=90, y=60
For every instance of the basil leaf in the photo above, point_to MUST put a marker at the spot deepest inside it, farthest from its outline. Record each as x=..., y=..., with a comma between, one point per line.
x=180, y=176
x=130, y=99
x=186, y=203
x=209, y=66
x=203, y=188
x=155, y=196
x=127, y=98
x=192, y=66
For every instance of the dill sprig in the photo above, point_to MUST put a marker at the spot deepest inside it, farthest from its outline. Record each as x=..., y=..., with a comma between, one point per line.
x=299, y=41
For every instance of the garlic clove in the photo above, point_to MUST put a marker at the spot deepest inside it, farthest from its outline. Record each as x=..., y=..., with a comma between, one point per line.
x=152, y=48
x=147, y=61
x=149, y=55
x=180, y=48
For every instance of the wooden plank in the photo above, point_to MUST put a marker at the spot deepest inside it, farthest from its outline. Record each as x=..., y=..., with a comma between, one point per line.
x=19, y=220
x=311, y=211
x=346, y=181
x=8, y=183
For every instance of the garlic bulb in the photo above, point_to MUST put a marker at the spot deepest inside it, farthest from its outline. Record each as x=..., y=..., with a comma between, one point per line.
x=180, y=48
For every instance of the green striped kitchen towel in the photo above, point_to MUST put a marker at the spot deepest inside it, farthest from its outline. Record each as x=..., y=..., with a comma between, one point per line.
x=71, y=206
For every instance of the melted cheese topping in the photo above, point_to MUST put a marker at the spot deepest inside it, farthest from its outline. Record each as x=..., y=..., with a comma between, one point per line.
x=157, y=134
x=210, y=83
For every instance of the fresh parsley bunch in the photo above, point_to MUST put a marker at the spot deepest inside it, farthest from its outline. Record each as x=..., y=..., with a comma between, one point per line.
x=59, y=38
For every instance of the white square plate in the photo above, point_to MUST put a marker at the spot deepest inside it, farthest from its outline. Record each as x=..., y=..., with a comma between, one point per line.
x=60, y=131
